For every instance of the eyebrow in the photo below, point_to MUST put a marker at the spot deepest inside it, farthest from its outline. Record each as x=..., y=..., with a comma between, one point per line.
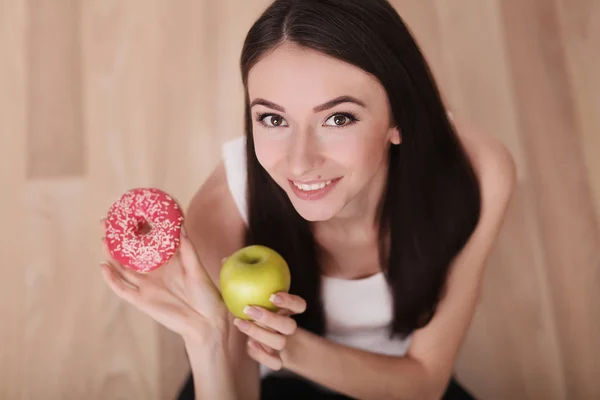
x=325, y=106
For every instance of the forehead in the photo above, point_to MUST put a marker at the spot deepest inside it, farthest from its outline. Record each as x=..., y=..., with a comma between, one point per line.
x=292, y=74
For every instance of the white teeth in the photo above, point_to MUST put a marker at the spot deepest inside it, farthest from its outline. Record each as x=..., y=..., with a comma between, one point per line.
x=314, y=186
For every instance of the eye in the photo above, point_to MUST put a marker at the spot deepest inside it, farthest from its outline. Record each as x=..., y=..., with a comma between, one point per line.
x=342, y=119
x=271, y=120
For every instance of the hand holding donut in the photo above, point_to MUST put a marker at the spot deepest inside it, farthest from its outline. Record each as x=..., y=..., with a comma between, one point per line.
x=180, y=295
x=269, y=331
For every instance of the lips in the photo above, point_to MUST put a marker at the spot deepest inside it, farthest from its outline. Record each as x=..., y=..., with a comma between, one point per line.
x=313, y=190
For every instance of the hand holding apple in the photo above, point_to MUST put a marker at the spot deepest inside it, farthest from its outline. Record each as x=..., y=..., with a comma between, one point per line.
x=270, y=331
x=254, y=285
x=250, y=276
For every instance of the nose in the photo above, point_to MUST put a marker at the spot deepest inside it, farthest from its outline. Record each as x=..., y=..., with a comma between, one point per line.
x=303, y=154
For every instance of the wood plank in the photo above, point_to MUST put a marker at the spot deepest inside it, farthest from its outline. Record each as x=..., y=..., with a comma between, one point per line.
x=54, y=135
x=421, y=18
x=185, y=148
x=120, y=60
x=228, y=100
x=481, y=86
x=54, y=344
x=560, y=181
x=120, y=64
x=511, y=350
x=13, y=122
x=580, y=28
x=478, y=77
x=102, y=95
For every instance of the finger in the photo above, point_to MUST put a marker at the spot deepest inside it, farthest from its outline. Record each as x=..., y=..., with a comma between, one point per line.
x=274, y=340
x=115, y=281
x=103, y=225
x=267, y=349
x=280, y=323
x=284, y=312
x=259, y=354
x=296, y=304
x=126, y=274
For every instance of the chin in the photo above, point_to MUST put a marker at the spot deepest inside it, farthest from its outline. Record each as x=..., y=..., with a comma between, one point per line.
x=315, y=212
x=315, y=216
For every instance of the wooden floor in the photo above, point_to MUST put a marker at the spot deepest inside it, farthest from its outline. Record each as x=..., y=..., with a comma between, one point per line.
x=98, y=96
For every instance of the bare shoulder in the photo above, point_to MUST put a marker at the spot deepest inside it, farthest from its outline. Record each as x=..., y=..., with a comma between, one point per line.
x=213, y=222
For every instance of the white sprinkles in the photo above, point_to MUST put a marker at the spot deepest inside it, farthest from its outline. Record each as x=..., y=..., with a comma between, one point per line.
x=144, y=252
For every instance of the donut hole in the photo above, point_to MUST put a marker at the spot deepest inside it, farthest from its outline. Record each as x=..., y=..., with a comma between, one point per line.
x=144, y=227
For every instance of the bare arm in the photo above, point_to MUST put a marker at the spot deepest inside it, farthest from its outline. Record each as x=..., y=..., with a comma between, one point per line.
x=182, y=297
x=425, y=371
x=212, y=368
x=216, y=229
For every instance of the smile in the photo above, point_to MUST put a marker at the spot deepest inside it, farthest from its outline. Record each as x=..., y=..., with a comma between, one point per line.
x=311, y=187
x=313, y=190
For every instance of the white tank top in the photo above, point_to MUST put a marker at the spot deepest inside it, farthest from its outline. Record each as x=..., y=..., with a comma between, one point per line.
x=357, y=312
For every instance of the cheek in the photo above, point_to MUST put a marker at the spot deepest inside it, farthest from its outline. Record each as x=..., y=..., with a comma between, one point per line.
x=357, y=156
x=268, y=152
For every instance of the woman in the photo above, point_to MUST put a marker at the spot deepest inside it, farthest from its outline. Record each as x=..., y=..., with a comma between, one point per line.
x=385, y=210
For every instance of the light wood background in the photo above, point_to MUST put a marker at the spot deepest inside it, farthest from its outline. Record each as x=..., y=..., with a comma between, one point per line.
x=98, y=96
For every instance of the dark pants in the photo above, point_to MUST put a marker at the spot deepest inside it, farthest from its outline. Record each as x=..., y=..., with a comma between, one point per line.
x=275, y=388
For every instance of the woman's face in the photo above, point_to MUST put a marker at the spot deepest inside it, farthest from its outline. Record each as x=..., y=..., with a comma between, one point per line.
x=321, y=130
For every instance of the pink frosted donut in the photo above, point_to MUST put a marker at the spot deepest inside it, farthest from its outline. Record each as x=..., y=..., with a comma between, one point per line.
x=143, y=229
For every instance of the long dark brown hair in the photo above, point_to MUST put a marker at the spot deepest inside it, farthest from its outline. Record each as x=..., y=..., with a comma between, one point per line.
x=431, y=202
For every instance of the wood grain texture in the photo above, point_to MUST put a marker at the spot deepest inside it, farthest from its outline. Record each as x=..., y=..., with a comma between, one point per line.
x=566, y=217
x=480, y=85
x=13, y=126
x=54, y=137
x=580, y=28
x=511, y=350
x=478, y=77
x=99, y=96
x=186, y=130
x=120, y=60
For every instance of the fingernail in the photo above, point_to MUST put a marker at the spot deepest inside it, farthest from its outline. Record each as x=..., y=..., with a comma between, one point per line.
x=276, y=299
x=252, y=312
x=241, y=324
x=183, y=232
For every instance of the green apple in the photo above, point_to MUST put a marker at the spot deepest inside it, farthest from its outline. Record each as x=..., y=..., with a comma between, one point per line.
x=250, y=276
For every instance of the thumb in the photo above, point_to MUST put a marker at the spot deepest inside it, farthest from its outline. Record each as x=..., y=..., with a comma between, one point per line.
x=190, y=261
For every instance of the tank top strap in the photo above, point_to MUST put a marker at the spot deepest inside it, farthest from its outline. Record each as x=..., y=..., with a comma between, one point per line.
x=234, y=160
